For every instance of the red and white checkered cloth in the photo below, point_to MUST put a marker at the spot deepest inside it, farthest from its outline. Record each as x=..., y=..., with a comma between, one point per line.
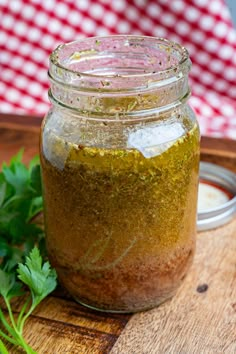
x=31, y=29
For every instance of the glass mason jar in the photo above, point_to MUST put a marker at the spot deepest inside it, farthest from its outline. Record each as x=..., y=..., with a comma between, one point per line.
x=120, y=157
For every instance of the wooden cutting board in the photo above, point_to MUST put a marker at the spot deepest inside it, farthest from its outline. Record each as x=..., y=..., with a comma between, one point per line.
x=194, y=321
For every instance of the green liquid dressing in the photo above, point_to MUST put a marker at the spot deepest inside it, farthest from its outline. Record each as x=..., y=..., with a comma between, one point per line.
x=121, y=227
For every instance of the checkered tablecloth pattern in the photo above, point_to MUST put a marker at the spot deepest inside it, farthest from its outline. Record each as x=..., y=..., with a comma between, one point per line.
x=31, y=29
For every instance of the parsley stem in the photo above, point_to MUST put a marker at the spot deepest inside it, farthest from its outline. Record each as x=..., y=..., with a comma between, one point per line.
x=9, y=339
x=3, y=349
x=15, y=332
x=11, y=314
x=22, y=312
x=21, y=326
x=12, y=200
x=25, y=346
x=6, y=324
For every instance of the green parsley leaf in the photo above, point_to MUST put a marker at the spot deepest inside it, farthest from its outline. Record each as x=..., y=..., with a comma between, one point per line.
x=17, y=175
x=40, y=278
x=7, y=282
x=3, y=189
x=9, y=287
x=20, y=202
x=21, y=263
x=36, y=180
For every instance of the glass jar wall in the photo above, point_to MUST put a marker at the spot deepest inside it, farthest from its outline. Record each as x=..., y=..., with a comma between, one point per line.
x=120, y=156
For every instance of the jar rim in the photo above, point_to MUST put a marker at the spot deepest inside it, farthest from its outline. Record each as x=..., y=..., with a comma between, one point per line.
x=137, y=69
x=67, y=60
x=182, y=51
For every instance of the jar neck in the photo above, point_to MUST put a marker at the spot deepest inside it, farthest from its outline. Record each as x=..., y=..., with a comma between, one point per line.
x=119, y=77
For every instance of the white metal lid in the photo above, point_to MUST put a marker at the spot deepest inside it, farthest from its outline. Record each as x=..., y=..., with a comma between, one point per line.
x=216, y=196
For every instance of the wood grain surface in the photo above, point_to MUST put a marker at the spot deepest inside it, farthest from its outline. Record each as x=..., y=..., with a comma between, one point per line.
x=17, y=132
x=192, y=321
x=60, y=325
x=201, y=318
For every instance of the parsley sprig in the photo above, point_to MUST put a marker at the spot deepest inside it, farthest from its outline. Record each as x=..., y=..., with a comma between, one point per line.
x=20, y=203
x=21, y=263
x=41, y=280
